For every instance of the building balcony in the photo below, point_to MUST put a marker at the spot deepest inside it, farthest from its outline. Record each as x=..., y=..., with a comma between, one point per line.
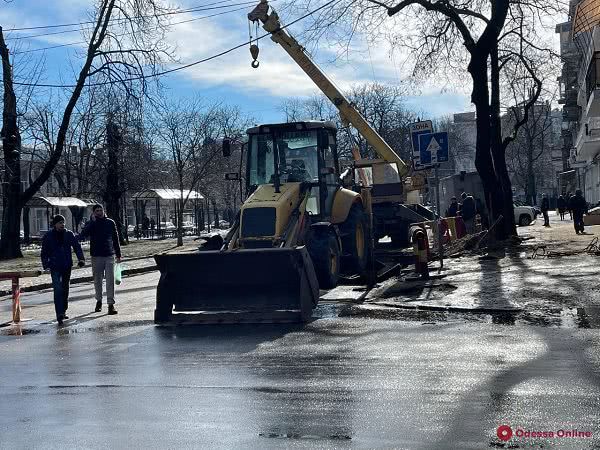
x=587, y=146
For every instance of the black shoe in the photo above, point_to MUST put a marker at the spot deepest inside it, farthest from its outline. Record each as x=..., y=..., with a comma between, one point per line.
x=59, y=319
x=111, y=310
x=65, y=317
x=98, y=307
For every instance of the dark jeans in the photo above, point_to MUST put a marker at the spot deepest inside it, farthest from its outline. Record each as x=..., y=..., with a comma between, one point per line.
x=578, y=222
x=546, y=218
x=60, y=284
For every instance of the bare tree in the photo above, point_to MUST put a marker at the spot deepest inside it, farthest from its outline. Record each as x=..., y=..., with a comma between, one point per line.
x=125, y=45
x=529, y=155
x=188, y=132
x=445, y=37
x=382, y=106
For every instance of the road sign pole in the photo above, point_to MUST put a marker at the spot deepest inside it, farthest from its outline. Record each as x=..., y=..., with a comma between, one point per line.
x=439, y=216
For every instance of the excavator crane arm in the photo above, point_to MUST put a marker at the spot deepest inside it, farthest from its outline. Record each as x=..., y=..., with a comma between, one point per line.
x=348, y=113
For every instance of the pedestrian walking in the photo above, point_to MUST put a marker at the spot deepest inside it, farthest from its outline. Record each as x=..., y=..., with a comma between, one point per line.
x=145, y=226
x=545, y=207
x=56, y=257
x=468, y=210
x=104, y=246
x=578, y=206
x=152, y=227
x=569, y=201
x=452, y=210
x=561, y=204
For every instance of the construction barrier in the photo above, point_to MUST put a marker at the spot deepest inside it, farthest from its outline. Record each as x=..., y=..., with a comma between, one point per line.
x=16, y=289
x=421, y=252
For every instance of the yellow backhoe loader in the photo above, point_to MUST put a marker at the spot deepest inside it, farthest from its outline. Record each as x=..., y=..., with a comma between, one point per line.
x=295, y=232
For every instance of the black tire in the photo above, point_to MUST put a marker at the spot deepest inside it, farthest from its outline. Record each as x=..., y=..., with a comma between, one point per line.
x=524, y=220
x=354, y=238
x=325, y=254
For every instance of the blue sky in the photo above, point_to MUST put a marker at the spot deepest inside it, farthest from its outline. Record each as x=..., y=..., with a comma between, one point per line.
x=258, y=92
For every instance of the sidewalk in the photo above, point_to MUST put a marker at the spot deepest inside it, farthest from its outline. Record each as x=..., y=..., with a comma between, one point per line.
x=83, y=275
x=137, y=257
x=542, y=290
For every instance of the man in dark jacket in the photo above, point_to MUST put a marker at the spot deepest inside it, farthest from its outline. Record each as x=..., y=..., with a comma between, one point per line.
x=545, y=207
x=578, y=206
x=468, y=209
x=56, y=257
x=452, y=210
x=104, y=246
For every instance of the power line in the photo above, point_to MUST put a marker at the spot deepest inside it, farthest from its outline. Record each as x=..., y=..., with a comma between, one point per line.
x=186, y=66
x=116, y=19
x=125, y=34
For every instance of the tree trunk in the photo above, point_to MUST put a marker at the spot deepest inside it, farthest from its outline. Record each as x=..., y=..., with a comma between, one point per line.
x=113, y=193
x=507, y=227
x=77, y=214
x=26, y=229
x=180, y=223
x=11, y=142
x=200, y=219
x=480, y=96
x=216, y=214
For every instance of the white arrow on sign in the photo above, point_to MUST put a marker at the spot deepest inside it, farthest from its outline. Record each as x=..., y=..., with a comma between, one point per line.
x=433, y=148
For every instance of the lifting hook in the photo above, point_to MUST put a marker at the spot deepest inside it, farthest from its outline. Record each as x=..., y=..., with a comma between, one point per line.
x=254, y=52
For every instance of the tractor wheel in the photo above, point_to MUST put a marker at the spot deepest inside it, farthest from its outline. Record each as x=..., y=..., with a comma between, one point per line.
x=325, y=254
x=355, y=241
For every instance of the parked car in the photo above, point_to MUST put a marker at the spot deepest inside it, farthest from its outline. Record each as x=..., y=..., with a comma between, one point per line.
x=167, y=226
x=187, y=226
x=536, y=209
x=524, y=215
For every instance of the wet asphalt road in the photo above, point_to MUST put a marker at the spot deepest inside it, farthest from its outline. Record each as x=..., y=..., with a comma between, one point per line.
x=343, y=381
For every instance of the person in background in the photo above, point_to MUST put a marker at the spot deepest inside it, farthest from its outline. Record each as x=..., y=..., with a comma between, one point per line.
x=104, y=246
x=452, y=210
x=569, y=200
x=56, y=257
x=545, y=207
x=468, y=210
x=578, y=207
x=145, y=226
x=152, y=227
x=561, y=204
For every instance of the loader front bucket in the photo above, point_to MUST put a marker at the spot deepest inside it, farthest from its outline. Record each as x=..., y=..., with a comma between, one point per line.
x=262, y=285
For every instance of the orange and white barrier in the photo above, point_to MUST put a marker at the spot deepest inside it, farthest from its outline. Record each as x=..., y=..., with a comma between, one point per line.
x=16, y=289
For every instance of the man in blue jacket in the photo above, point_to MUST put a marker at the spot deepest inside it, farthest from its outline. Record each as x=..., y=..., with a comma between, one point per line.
x=104, y=246
x=56, y=256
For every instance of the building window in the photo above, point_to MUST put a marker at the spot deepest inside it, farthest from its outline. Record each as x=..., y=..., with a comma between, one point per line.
x=592, y=80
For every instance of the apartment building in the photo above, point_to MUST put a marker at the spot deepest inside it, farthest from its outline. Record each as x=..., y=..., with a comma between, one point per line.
x=580, y=97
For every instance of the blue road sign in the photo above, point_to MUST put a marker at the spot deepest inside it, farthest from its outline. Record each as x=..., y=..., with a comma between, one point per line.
x=417, y=129
x=433, y=148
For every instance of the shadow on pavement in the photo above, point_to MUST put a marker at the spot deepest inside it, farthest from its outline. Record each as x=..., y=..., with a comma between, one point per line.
x=239, y=338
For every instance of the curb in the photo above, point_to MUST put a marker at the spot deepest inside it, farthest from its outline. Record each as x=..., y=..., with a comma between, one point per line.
x=86, y=279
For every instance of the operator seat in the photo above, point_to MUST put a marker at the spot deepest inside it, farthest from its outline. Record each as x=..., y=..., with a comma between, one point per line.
x=298, y=171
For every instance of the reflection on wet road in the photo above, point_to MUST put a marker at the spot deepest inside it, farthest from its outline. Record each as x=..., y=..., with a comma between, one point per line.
x=337, y=382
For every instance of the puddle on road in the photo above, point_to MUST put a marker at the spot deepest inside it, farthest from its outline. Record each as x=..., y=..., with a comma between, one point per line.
x=20, y=330
x=342, y=437
x=588, y=317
